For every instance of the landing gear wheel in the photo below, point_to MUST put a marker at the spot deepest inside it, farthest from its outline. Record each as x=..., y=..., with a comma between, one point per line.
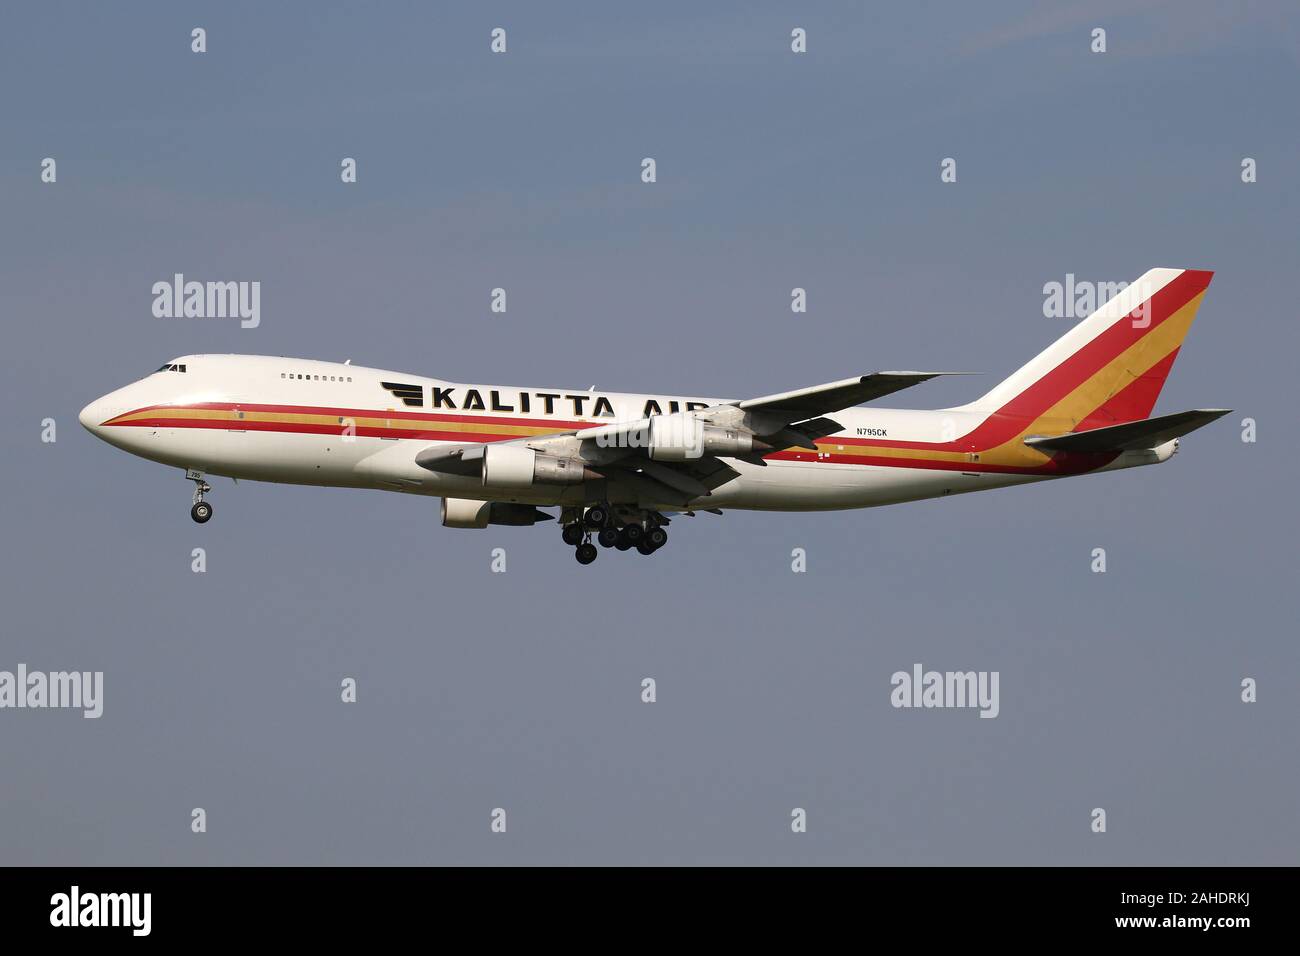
x=645, y=547
x=657, y=537
x=201, y=511
x=634, y=533
x=573, y=534
x=596, y=516
x=621, y=540
x=585, y=553
x=608, y=537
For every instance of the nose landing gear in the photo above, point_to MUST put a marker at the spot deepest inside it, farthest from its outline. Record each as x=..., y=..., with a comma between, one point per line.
x=201, y=511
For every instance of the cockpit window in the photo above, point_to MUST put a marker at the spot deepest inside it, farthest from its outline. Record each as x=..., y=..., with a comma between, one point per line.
x=172, y=367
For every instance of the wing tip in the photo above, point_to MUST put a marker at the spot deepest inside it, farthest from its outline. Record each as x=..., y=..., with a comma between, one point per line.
x=914, y=374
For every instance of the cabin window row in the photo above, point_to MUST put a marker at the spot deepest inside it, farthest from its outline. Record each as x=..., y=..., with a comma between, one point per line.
x=315, y=378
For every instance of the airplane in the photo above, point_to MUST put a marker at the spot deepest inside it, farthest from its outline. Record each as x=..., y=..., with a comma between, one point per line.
x=619, y=466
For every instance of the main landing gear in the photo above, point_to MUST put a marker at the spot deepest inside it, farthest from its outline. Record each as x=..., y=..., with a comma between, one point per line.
x=642, y=530
x=201, y=511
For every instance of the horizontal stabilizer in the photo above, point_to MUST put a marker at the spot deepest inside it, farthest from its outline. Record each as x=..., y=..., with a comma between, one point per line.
x=1131, y=436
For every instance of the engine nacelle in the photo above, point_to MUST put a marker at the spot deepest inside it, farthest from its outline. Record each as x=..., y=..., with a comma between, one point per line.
x=719, y=440
x=683, y=438
x=514, y=466
x=467, y=513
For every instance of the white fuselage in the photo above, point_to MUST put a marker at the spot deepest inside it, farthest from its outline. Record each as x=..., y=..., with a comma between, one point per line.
x=325, y=423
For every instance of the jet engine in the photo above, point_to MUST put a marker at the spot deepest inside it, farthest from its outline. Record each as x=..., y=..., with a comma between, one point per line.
x=682, y=438
x=514, y=466
x=467, y=513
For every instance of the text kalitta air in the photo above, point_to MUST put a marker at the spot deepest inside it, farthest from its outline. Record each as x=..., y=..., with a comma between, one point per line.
x=83, y=690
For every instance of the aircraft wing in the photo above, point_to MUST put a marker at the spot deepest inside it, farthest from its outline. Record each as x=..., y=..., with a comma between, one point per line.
x=675, y=483
x=768, y=414
x=671, y=483
x=833, y=396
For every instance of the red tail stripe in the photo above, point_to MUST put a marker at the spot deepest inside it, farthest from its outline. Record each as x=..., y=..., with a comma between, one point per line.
x=1090, y=359
x=1134, y=401
x=1010, y=419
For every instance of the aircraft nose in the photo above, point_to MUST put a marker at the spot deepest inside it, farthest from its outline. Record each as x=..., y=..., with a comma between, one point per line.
x=93, y=415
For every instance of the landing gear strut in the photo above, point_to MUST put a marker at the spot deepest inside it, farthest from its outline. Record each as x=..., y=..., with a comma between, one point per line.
x=201, y=511
x=581, y=527
x=621, y=528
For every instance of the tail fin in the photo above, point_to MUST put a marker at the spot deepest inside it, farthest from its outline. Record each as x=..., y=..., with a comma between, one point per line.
x=1109, y=368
